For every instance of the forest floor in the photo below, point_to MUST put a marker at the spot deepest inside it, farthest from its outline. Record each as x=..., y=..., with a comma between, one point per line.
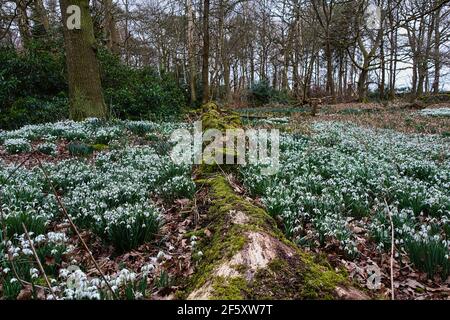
x=419, y=129
x=105, y=172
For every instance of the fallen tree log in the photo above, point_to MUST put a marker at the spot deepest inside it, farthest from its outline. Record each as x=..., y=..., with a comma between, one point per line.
x=245, y=255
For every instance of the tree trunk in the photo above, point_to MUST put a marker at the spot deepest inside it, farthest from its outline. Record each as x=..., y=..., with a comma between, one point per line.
x=205, y=66
x=247, y=256
x=252, y=66
x=224, y=52
x=127, y=34
x=190, y=43
x=24, y=28
x=382, y=71
x=363, y=75
x=111, y=32
x=437, y=53
x=330, y=82
x=42, y=15
x=85, y=91
x=393, y=65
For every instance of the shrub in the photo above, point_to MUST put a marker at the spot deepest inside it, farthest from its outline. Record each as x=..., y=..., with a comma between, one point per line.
x=33, y=86
x=262, y=93
x=32, y=110
x=80, y=149
x=140, y=93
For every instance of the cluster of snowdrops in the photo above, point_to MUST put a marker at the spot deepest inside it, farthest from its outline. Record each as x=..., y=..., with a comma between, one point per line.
x=344, y=176
x=109, y=192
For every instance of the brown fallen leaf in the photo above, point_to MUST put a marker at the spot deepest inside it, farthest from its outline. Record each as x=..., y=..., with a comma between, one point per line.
x=414, y=284
x=208, y=233
x=183, y=202
x=440, y=289
x=25, y=294
x=49, y=260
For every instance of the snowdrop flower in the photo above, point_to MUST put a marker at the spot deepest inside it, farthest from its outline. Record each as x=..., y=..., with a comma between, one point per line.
x=138, y=296
x=34, y=273
x=160, y=256
x=27, y=252
x=147, y=269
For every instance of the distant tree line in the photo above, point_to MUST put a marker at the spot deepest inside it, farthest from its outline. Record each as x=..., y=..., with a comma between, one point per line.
x=221, y=49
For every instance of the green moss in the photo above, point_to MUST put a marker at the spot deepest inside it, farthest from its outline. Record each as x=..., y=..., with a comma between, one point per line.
x=215, y=118
x=228, y=238
x=319, y=281
x=229, y=288
x=302, y=276
x=99, y=147
x=277, y=265
x=241, y=268
x=196, y=233
x=297, y=276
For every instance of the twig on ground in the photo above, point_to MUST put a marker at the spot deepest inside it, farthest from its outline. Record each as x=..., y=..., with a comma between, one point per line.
x=27, y=235
x=74, y=227
x=392, y=249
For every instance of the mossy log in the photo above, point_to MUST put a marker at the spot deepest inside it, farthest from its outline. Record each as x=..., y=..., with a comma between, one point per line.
x=245, y=255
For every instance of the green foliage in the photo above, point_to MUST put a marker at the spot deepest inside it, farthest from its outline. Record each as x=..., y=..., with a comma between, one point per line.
x=34, y=224
x=16, y=146
x=80, y=149
x=32, y=87
x=429, y=255
x=262, y=93
x=129, y=233
x=34, y=110
x=48, y=148
x=163, y=281
x=139, y=93
x=11, y=288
